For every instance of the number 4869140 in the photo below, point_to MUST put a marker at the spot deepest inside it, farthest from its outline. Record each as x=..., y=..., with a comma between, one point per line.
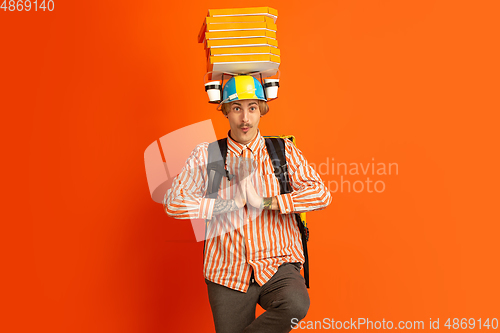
x=27, y=5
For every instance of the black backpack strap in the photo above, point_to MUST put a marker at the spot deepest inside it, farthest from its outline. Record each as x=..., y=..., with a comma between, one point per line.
x=216, y=166
x=216, y=169
x=276, y=149
x=304, y=232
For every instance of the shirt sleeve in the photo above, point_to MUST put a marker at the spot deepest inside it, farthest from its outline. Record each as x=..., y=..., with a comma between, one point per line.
x=309, y=191
x=185, y=199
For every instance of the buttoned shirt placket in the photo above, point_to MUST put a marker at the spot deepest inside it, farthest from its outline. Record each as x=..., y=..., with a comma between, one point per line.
x=246, y=155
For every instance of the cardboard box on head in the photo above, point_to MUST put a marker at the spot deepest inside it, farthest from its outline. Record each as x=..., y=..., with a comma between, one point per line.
x=240, y=41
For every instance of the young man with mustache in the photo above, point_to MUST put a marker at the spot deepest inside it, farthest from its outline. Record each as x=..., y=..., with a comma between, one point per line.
x=253, y=251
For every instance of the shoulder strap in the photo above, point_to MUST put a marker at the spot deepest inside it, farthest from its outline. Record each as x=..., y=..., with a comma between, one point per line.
x=216, y=166
x=216, y=169
x=276, y=150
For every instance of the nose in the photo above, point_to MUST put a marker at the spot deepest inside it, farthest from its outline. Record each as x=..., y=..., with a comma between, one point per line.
x=245, y=116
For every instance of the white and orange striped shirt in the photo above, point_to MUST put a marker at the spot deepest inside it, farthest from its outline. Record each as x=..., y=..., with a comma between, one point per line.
x=249, y=239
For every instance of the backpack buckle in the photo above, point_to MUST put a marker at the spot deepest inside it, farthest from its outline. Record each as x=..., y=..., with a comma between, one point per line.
x=306, y=233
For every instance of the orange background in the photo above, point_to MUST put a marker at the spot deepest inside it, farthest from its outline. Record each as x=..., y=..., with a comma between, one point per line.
x=86, y=88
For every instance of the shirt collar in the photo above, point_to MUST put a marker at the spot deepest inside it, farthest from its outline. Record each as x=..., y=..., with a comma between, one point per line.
x=254, y=145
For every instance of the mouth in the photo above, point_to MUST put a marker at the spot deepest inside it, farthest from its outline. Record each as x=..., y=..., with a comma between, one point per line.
x=245, y=129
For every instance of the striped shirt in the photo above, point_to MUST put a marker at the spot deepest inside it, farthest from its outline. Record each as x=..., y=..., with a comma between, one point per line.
x=238, y=242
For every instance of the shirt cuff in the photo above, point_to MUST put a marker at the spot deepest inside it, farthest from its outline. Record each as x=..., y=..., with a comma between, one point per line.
x=206, y=208
x=285, y=203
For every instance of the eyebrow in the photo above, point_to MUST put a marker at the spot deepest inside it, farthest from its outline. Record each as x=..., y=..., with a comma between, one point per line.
x=235, y=103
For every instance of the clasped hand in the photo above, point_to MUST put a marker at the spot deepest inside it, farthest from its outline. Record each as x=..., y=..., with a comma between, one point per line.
x=246, y=193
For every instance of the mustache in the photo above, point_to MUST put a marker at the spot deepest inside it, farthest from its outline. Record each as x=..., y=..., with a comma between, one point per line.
x=245, y=125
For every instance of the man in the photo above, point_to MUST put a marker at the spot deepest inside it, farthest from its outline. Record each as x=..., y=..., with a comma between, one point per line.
x=253, y=252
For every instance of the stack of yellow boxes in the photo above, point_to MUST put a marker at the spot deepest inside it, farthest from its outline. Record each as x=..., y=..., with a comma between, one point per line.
x=241, y=41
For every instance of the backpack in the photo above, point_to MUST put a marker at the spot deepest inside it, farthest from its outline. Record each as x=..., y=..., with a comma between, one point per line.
x=276, y=149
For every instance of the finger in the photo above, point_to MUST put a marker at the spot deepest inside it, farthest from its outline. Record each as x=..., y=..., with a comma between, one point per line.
x=243, y=171
x=244, y=187
x=250, y=184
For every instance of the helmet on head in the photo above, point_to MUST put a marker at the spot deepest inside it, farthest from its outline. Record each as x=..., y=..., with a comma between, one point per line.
x=242, y=87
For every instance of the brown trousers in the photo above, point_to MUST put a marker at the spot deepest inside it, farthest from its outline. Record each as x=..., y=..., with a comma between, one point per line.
x=284, y=297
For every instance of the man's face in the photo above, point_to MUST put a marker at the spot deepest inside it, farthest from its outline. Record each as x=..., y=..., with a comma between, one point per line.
x=244, y=116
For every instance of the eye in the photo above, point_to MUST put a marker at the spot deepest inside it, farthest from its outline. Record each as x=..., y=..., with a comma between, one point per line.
x=253, y=108
x=236, y=108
